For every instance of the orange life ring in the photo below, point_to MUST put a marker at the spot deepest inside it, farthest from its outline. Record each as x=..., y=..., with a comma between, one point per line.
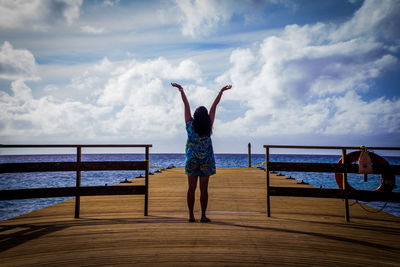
x=388, y=179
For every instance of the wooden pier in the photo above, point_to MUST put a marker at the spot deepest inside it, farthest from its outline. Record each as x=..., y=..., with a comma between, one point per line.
x=112, y=230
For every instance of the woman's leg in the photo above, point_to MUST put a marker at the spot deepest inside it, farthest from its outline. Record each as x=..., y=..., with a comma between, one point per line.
x=204, y=196
x=192, y=184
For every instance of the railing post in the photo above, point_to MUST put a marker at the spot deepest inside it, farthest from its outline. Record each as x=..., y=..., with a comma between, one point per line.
x=344, y=182
x=146, y=197
x=267, y=180
x=78, y=181
x=249, y=154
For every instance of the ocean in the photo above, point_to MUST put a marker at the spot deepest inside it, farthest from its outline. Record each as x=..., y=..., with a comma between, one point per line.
x=12, y=208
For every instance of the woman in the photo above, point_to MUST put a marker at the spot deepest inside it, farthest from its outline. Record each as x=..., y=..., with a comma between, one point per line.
x=200, y=160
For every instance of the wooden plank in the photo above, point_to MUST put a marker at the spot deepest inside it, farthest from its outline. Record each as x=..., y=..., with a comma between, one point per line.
x=249, y=154
x=146, y=183
x=72, y=166
x=267, y=182
x=330, y=147
x=328, y=167
x=78, y=182
x=344, y=182
x=72, y=191
x=311, y=167
x=334, y=193
x=77, y=145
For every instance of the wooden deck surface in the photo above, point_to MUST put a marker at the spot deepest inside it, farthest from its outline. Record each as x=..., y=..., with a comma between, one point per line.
x=113, y=231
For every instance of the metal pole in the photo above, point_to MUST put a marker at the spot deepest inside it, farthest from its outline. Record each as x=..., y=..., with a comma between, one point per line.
x=249, y=154
x=146, y=197
x=346, y=201
x=267, y=181
x=78, y=181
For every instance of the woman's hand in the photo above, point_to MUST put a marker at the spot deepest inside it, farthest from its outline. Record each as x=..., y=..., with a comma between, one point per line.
x=177, y=86
x=226, y=87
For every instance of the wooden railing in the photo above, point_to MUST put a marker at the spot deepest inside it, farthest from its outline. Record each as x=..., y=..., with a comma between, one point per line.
x=78, y=167
x=327, y=167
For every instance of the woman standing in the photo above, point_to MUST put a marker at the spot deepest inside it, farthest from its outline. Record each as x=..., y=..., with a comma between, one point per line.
x=199, y=152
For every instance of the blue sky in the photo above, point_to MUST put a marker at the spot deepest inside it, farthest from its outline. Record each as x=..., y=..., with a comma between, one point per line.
x=303, y=72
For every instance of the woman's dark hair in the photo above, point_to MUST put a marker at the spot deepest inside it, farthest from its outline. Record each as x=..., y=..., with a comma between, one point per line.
x=201, y=122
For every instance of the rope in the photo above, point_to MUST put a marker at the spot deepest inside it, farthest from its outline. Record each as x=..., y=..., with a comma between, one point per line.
x=223, y=173
x=370, y=211
x=354, y=202
x=164, y=169
x=241, y=169
x=362, y=206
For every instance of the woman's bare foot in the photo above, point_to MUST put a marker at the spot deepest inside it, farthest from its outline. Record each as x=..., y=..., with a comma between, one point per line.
x=205, y=219
x=192, y=218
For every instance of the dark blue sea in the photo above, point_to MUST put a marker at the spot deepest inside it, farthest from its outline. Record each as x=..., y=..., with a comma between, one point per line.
x=9, y=209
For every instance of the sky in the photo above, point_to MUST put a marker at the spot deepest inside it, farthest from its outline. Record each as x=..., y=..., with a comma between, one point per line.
x=304, y=72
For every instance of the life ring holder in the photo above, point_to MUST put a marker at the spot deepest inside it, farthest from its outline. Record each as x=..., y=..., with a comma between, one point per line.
x=388, y=179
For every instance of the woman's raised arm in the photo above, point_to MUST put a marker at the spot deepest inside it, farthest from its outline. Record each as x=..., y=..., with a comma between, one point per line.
x=216, y=101
x=188, y=115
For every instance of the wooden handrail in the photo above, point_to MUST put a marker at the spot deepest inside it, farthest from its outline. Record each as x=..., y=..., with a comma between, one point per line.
x=362, y=195
x=328, y=167
x=72, y=145
x=72, y=166
x=344, y=168
x=72, y=191
x=330, y=147
x=78, y=166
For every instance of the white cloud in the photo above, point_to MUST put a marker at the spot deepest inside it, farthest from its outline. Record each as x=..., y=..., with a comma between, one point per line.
x=37, y=14
x=111, y=3
x=303, y=81
x=136, y=82
x=353, y=115
x=149, y=106
x=201, y=16
x=374, y=18
x=92, y=30
x=70, y=9
x=23, y=115
x=124, y=100
x=16, y=63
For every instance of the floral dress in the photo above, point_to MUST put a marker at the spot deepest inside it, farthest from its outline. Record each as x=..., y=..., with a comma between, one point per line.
x=199, y=153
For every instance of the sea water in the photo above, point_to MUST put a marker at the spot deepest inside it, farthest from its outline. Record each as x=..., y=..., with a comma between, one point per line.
x=12, y=208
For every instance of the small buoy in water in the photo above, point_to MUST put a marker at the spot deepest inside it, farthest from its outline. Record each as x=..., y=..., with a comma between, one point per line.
x=140, y=176
x=126, y=181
